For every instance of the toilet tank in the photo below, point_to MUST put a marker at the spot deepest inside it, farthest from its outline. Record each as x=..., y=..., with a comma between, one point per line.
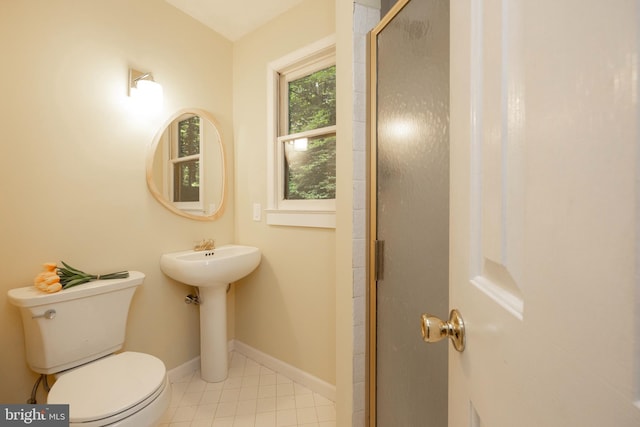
x=89, y=322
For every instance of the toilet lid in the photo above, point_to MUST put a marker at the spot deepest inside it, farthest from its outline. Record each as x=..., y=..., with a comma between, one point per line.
x=108, y=386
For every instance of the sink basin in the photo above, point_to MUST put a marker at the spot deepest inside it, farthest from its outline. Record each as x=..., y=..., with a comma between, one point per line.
x=218, y=266
x=211, y=271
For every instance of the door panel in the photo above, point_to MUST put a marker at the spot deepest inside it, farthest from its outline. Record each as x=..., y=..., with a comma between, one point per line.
x=412, y=206
x=544, y=172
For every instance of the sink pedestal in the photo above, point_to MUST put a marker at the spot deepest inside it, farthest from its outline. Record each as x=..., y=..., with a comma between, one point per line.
x=211, y=271
x=213, y=333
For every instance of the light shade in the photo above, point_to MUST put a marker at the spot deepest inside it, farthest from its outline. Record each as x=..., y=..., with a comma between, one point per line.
x=144, y=91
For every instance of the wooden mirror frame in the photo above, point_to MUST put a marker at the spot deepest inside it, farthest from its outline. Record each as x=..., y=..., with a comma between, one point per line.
x=157, y=194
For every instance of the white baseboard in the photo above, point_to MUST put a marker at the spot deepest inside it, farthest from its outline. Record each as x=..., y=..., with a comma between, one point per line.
x=185, y=369
x=299, y=376
x=190, y=366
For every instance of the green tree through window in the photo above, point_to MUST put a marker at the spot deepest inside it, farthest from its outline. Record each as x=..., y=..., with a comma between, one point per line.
x=186, y=173
x=310, y=163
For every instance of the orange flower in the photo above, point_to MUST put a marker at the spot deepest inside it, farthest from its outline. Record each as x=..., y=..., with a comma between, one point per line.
x=50, y=266
x=48, y=280
x=54, y=278
x=54, y=287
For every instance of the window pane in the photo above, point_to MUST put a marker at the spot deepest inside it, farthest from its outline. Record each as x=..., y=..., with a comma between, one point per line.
x=186, y=181
x=310, y=168
x=189, y=136
x=312, y=101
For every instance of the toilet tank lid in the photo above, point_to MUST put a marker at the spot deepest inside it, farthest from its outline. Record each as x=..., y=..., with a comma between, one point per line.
x=30, y=296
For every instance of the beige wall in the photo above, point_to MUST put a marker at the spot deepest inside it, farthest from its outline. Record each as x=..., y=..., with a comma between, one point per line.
x=72, y=179
x=287, y=307
x=344, y=231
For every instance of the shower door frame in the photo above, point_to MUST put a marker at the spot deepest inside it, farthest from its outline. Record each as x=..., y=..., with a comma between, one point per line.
x=374, y=253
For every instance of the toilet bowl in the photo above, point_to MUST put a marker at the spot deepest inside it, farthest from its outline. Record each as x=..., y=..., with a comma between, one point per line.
x=74, y=334
x=127, y=389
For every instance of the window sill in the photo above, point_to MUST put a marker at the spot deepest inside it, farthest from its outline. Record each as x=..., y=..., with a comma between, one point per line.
x=301, y=218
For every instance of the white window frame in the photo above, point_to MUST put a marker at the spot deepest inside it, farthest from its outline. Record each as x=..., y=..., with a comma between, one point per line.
x=192, y=207
x=300, y=213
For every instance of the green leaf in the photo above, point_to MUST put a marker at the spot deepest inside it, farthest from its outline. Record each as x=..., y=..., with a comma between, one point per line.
x=77, y=282
x=73, y=270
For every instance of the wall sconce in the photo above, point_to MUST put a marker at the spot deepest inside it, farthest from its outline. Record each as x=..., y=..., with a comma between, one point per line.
x=144, y=90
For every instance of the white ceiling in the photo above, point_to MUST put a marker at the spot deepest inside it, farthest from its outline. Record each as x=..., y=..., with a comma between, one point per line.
x=234, y=18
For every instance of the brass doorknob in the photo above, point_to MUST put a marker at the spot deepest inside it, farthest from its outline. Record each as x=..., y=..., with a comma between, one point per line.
x=435, y=329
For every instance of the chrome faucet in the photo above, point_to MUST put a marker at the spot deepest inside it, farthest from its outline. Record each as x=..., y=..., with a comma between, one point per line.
x=204, y=245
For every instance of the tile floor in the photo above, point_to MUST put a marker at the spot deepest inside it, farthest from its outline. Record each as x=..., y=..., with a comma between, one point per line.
x=252, y=396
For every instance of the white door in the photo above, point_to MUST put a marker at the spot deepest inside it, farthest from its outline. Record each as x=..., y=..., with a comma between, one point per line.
x=544, y=222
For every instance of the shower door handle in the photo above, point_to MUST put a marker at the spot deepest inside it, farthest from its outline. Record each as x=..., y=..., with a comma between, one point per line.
x=434, y=329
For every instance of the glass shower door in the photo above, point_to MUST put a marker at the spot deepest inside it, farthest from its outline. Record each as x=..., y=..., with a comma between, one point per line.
x=411, y=53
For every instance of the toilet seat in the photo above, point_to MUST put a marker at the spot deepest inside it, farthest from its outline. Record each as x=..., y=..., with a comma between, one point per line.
x=110, y=389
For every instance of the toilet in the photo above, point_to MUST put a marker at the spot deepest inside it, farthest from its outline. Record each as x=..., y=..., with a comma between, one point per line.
x=74, y=334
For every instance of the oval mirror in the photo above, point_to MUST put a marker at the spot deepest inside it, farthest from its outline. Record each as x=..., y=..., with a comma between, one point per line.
x=185, y=166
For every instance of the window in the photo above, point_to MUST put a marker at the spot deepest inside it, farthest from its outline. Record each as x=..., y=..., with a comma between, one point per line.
x=302, y=158
x=185, y=158
x=308, y=112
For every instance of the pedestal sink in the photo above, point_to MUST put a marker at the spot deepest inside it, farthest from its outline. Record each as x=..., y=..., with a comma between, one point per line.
x=211, y=271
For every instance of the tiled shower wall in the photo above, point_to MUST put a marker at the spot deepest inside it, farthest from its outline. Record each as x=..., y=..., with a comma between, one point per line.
x=364, y=19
